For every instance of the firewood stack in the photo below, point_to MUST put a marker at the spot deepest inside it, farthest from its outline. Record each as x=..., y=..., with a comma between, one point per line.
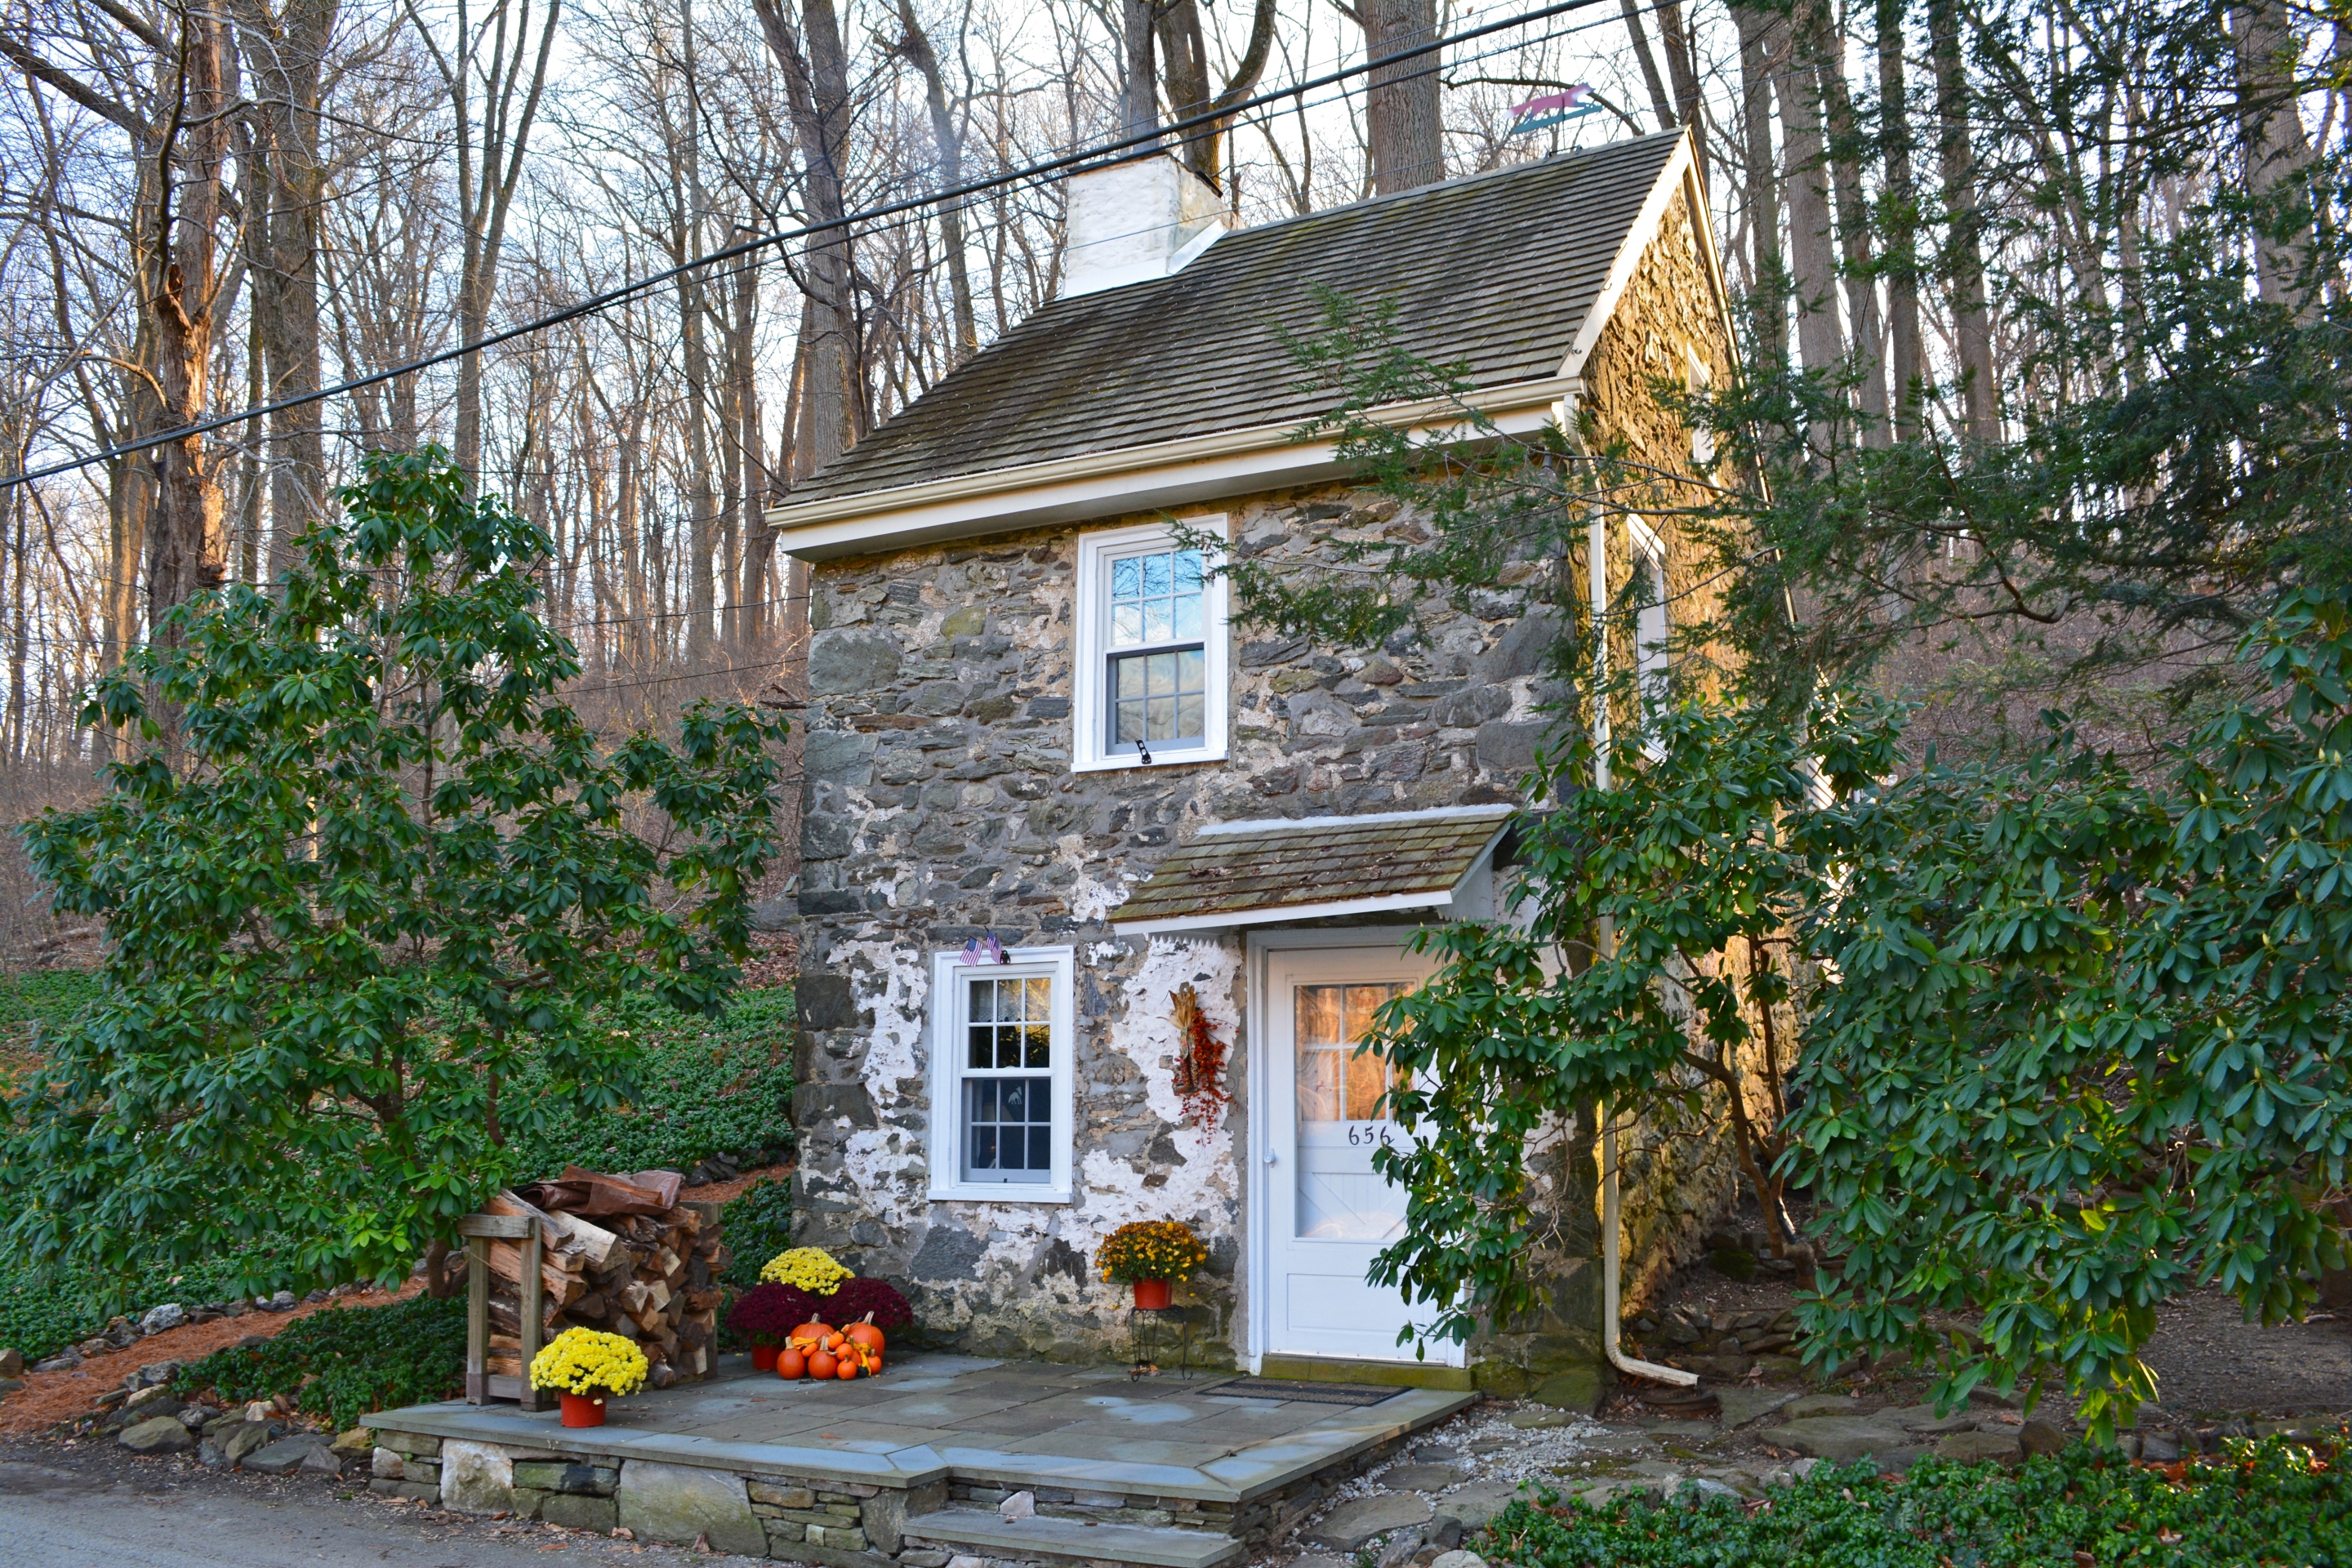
x=653, y=1278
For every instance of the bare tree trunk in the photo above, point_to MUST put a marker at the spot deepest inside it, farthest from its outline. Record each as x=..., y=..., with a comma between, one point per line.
x=1402, y=105
x=1813, y=263
x=1904, y=353
x=287, y=60
x=916, y=45
x=758, y=539
x=187, y=551
x=1763, y=37
x=1820, y=54
x=490, y=167
x=1661, y=105
x=816, y=86
x=1184, y=70
x=1138, y=83
x=1963, y=258
x=2277, y=149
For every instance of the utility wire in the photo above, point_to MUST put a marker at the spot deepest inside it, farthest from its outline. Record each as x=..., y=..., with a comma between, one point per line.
x=626, y=291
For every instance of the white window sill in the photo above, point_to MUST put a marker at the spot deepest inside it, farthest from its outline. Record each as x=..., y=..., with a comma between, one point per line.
x=999, y=1193
x=1159, y=760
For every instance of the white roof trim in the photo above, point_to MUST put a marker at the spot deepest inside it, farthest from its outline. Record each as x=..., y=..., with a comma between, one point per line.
x=1128, y=479
x=1680, y=177
x=1228, y=919
x=1283, y=823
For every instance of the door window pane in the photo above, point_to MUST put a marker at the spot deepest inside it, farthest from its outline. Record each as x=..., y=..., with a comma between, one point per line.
x=1341, y=1117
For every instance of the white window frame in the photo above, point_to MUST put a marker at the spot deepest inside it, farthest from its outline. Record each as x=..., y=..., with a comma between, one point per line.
x=1652, y=675
x=1701, y=381
x=1089, y=695
x=949, y=1000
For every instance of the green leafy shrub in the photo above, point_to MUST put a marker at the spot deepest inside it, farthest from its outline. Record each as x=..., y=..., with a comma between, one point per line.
x=342, y=1364
x=757, y=1226
x=43, y=997
x=42, y=1311
x=696, y=1086
x=2271, y=1502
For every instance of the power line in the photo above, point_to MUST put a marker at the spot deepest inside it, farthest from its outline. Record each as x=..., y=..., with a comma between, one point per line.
x=595, y=303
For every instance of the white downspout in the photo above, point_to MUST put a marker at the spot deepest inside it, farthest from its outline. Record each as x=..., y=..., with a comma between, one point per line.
x=1596, y=549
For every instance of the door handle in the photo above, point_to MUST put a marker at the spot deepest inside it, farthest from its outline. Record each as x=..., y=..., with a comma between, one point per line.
x=1272, y=1158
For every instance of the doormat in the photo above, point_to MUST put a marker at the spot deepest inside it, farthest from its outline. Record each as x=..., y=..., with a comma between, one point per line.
x=1305, y=1392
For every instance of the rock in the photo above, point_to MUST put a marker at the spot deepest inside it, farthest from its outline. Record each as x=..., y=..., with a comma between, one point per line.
x=1923, y=1419
x=12, y=1362
x=1536, y=1420
x=156, y=1372
x=1578, y=1388
x=1459, y=1560
x=322, y=1462
x=2160, y=1447
x=1975, y=1448
x=574, y=1512
x=241, y=1439
x=386, y=1465
x=1692, y=1431
x=1742, y=1405
x=681, y=1503
x=1400, y=1549
x=1020, y=1505
x=64, y=1361
x=153, y=1393
x=359, y=1440
x=193, y=1418
x=1476, y=1504
x=283, y=1456
x=1824, y=1404
x=1423, y=1478
x=170, y=1315
x=1347, y=1528
x=9, y=1386
x=1444, y=1531
x=1840, y=1438
x=477, y=1477
x=1803, y=1468
x=159, y=1435
x=1901, y=1459
x=2039, y=1436
x=260, y=1410
x=1436, y=1453
x=1698, y=1488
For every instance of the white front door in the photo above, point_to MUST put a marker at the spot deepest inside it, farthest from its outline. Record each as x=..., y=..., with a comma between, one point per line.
x=1323, y=1212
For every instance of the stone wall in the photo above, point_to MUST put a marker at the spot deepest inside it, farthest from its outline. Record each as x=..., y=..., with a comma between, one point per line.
x=940, y=806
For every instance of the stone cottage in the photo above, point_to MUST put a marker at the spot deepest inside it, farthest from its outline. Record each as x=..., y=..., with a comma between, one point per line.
x=1032, y=718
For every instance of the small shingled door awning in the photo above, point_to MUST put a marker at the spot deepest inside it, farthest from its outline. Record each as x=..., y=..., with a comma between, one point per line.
x=1261, y=873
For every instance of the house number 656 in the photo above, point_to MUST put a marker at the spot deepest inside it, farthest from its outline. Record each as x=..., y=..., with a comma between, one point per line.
x=1368, y=1134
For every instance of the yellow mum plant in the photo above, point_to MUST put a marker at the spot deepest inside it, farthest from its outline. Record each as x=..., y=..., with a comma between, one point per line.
x=1150, y=1250
x=585, y=1361
x=809, y=1268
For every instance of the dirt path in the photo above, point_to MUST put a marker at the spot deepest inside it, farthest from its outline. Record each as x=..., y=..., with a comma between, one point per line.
x=49, y=1397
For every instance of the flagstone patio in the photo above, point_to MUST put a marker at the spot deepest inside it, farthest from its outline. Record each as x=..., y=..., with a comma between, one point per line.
x=912, y=1466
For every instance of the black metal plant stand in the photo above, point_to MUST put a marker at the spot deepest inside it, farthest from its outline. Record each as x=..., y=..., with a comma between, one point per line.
x=1155, y=1336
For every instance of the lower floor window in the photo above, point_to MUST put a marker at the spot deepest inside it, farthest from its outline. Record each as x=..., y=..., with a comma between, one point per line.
x=1002, y=1077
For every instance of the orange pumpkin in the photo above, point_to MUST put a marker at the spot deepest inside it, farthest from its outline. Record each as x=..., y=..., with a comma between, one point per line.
x=791, y=1364
x=825, y=1363
x=809, y=1337
x=865, y=1334
x=848, y=1368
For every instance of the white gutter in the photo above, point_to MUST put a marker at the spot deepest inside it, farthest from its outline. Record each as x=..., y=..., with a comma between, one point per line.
x=1596, y=549
x=1128, y=479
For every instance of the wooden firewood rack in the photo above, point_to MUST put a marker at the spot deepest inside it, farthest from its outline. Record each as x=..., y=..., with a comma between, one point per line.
x=479, y=1230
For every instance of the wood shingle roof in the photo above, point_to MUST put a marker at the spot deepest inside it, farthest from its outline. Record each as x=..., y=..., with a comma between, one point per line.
x=1496, y=272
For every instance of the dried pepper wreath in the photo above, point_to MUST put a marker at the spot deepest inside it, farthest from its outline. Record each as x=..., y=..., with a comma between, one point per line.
x=1199, y=1059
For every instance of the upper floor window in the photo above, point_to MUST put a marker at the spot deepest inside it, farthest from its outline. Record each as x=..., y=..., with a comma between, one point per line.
x=1150, y=676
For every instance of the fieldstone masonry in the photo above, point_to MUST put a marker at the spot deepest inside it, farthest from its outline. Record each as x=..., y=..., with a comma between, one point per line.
x=940, y=806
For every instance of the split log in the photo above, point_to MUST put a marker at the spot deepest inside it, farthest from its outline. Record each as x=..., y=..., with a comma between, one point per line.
x=566, y=1233
x=560, y=1284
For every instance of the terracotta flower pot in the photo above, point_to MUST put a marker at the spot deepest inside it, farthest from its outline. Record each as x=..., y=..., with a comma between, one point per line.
x=583, y=1409
x=1153, y=1294
x=763, y=1358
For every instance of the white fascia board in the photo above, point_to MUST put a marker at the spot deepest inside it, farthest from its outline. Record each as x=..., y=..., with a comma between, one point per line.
x=1301, y=824
x=1228, y=919
x=1133, y=479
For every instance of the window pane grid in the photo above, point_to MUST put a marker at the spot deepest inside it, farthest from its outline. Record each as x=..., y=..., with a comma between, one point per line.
x=1007, y=1100
x=1156, y=599
x=1159, y=697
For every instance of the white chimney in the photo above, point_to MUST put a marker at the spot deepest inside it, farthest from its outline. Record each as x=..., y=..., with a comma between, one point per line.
x=1134, y=221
